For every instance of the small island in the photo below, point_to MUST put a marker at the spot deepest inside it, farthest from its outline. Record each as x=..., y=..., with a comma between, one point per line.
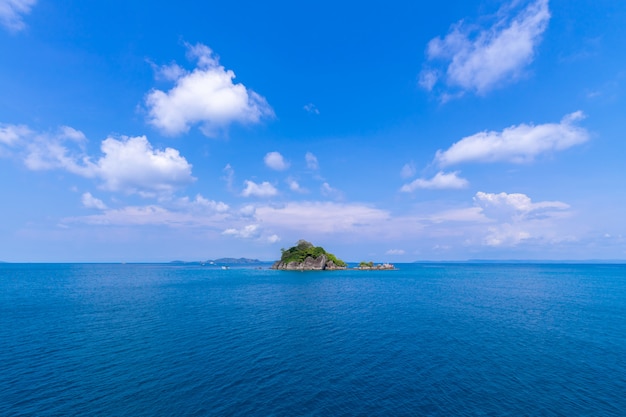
x=304, y=256
x=307, y=257
x=370, y=266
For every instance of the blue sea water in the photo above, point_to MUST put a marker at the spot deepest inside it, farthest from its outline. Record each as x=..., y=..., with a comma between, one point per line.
x=426, y=340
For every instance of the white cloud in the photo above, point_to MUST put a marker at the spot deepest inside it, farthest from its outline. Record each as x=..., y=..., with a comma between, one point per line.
x=428, y=78
x=182, y=212
x=131, y=165
x=202, y=205
x=273, y=238
x=206, y=96
x=311, y=108
x=89, y=201
x=517, y=218
x=265, y=189
x=129, y=216
x=395, y=252
x=517, y=144
x=249, y=231
x=440, y=181
x=331, y=192
x=514, y=204
x=320, y=217
x=463, y=215
x=64, y=149
x=247, y=210
x=171, y=72
x=408, y=170
x=12, y=134
x=295, y=186
x=481, y=59
x=229, y=176
x=275, y=161
x=128, y=164
x=311, y=161
x=12, y=13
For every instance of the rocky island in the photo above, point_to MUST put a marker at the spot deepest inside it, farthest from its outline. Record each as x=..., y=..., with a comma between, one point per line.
x=307, y=257
x=304, y=256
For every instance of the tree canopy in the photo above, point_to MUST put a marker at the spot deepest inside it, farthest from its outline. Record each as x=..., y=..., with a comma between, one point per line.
x=304, y=249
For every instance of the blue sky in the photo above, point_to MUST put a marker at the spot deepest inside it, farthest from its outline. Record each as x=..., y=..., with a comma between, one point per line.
x=392, y=131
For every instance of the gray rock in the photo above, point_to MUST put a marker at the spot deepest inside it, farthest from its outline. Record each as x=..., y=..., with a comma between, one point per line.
x=309, y=264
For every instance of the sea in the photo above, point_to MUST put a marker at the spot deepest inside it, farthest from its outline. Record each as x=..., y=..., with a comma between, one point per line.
x=450, y=339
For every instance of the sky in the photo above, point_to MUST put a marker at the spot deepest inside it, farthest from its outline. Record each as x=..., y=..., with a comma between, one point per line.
x=393, y=131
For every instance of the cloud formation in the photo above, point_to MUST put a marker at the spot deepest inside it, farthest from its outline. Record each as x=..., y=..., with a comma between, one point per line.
x=517, y=144
x=182, y=212
x=408, y=170
x=89, y=201
x=480, y=59
x=129, y=164
x=295, y=186
x=320, y=217
x=311, y=108
x=12, y=13
x=12, y=134
x=247, y=232
x=440, y=181
x=331, y=192
x=516, y=218
x=265, y=189
x=63, y=149
x=311, y=161
x=275, y=161
x=206, y=96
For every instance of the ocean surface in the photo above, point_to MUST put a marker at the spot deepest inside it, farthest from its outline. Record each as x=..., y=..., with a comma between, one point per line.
x=425, y=340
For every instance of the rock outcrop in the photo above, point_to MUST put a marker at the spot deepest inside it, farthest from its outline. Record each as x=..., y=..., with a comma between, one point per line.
x=306, y=257
x=320, y=263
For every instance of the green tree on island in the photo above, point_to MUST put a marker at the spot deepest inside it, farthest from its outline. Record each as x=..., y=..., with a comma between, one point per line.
x=304, y=249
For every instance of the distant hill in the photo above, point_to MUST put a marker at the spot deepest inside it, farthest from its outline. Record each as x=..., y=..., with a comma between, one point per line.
x=222, y=261
x=235, y=261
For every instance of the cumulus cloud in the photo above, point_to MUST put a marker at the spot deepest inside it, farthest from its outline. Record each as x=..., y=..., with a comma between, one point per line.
x=129, y=164
x=89, y=201
x=275, y=161
x=201, y=205
x=514, y=205
x=480, y=59
x=273, y=238
x=395, y=252
x=171, y=72
x=206, y=96
x=440, y=181
x=311, y=161
x=63, y=149
x=265, y=189
x=247, y=211
x=517, y=144
x=517, y=217
x=247, y=232
x=12, y=13
x=295, y=186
